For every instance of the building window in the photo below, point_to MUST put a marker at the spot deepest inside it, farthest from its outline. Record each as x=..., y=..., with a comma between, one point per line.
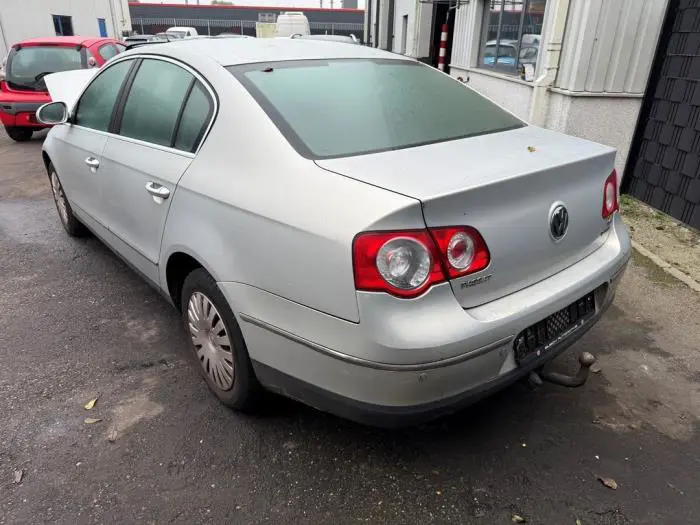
x=63, y=25
x=511, y=36
x=268, y=17
x=102, y=26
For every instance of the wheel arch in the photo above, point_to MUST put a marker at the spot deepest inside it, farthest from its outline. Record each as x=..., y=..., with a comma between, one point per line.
x=179, y=264
x=47, y=161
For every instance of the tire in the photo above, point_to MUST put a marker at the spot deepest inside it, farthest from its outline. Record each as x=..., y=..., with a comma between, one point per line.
x=70, y=222
x=19, y=134
x=230, y=375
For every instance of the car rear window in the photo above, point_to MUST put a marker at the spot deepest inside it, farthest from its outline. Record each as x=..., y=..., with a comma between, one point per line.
x=340, y=108
x=27, y=66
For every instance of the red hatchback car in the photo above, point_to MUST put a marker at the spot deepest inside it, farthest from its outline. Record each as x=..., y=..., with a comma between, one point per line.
x=22, y=90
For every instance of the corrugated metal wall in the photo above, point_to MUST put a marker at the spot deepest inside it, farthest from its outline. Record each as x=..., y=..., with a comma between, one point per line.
x=609, y=45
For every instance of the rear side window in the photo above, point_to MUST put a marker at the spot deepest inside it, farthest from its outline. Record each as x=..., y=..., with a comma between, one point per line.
x=154, y=102
x=97, y=102
x=195, y=117
x=339, y=108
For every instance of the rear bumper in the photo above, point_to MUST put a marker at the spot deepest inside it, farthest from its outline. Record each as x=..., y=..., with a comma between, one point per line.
x=20, y=114
x=409, y=361
x=389, y=416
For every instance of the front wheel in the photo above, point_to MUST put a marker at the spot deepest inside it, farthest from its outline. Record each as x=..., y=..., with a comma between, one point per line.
x=70, y=223
x=19, y=134
x=217, y=342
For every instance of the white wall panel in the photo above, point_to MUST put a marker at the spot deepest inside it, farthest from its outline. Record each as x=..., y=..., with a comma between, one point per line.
x=466, y=34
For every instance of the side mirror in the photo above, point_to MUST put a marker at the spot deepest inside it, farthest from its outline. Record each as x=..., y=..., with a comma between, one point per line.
x=52, y=113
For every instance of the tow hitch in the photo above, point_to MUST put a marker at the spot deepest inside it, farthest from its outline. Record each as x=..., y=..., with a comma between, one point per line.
x=585, y=360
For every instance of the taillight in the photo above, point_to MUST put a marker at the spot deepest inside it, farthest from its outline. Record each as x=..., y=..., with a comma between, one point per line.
x=462, y=248
x=611, y=202
x=407, y=263
x=401, y=263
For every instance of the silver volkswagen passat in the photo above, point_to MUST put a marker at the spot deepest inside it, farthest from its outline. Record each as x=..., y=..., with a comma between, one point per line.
x=339, y=224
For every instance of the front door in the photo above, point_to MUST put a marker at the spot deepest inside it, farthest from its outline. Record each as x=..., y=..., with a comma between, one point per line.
x=145, y=157
x=84, y=139
x=77, y=162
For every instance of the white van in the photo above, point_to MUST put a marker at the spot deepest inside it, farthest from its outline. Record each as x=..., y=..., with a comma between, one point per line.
x=182, y=32
x=292, y=23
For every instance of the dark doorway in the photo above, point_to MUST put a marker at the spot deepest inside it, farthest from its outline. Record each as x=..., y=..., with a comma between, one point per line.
x=440, y=11
x=390, y=25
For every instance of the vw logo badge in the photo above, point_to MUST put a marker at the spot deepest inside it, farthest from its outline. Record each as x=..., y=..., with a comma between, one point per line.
x=558, y=222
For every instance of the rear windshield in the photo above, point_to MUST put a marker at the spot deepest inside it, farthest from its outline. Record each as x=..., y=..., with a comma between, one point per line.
x=27, y=66
x=340, y=108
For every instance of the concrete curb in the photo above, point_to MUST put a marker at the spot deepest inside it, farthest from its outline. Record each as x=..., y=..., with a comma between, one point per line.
x=667, y=267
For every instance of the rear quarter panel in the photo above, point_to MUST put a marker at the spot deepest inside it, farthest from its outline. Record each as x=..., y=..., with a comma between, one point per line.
x=253, y=211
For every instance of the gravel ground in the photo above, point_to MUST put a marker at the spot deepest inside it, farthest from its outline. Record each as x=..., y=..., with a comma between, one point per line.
x=670, y=240
x=76, y=324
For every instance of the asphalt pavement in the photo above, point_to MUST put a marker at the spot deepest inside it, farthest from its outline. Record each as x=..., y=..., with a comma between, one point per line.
x=77, y=324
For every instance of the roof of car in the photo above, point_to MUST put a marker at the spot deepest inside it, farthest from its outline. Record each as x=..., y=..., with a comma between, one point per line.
x=235, y=51
x=63, y=40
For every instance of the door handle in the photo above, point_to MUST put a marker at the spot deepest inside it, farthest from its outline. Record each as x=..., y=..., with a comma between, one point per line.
x=157, y=190
x=92, y=162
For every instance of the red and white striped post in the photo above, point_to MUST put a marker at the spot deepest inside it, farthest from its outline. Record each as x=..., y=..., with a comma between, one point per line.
x=443, y=48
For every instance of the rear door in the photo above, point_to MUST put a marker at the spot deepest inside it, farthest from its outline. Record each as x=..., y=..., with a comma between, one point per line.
x=84, y=139
x=161, y=121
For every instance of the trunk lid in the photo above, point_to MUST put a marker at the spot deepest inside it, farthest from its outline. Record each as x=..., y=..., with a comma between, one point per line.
x=506, y=185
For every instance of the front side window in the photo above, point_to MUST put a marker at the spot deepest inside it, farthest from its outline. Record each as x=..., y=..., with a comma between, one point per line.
x=155, y=101
x=339, y=108
x=28, y=65
x=511, y=36
x=96, y=105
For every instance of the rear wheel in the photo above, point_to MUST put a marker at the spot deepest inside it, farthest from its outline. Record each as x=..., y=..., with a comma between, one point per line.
x=19, y=134
x=217, y=342
x=71, y=224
